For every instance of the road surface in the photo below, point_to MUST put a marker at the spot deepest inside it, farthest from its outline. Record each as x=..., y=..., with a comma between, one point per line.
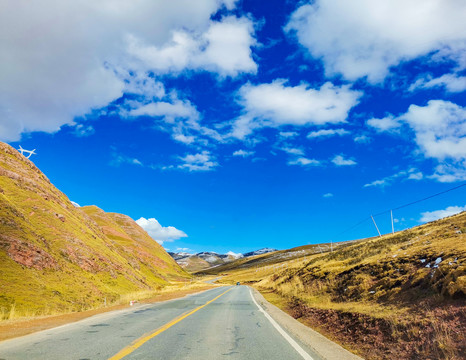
x=222, y=323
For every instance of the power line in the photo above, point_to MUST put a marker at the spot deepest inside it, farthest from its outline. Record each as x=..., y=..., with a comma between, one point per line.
x=420, y=200
x=400, y=207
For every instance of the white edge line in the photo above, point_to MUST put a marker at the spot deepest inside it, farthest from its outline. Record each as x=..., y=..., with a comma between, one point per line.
x=287, y=337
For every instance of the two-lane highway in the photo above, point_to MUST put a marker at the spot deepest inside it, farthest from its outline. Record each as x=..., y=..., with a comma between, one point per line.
x=223, y=322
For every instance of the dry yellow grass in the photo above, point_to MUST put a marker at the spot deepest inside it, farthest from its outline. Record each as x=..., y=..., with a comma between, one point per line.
x=407, y=285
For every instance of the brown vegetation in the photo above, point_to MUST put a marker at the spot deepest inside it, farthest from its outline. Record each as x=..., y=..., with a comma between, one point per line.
x=398, y=296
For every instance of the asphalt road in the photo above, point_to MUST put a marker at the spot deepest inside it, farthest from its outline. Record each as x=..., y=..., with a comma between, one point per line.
x=222, y=323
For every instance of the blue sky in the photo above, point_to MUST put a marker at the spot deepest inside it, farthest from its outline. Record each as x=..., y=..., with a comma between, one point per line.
x=223, y=125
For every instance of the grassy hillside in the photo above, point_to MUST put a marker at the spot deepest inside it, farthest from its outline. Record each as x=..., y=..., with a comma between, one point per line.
x=398, y=296
x=55, y=257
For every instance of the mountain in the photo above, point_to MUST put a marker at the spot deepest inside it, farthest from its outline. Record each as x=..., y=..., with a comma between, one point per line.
x=57, y=257
x=208, y=259
x=259, y=252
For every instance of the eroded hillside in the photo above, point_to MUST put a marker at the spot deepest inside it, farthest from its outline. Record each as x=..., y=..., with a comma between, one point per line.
x=57, y=257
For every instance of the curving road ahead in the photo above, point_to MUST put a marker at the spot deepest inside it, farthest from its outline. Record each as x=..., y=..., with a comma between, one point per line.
x=222, y=323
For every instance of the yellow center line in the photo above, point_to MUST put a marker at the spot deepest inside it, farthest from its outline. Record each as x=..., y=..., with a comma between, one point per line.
x=139, y=342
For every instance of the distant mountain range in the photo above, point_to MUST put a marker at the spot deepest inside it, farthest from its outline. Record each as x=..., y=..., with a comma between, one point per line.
x=207, y=259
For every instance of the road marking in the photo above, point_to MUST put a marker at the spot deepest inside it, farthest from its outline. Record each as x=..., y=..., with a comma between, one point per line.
x=287, y=337
x=139, y=342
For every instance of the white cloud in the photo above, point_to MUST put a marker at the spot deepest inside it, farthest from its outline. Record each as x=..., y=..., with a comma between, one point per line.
x=243, y=153
x=75, y=204
x=381, y=183
x=410, y=174
x=302, y=161
x=82, y=130
x=171, y=111
x=439, y=214
x=292, y=151
x=439, y=132
x=158, y=232
x=327, y=195
x=416, y=176
x=198, y=162
x=339, y=160
x=276, y=104
x=118, y=159
x=287, y=134
x=362, y=139
x=440, y=129
x=75, y=59
x=185, y=139
x=173, y=115
x=224, y=47
x=327, y=133
x=388, y=123
x=452, y=83
x=365, y=38
x=450, y=172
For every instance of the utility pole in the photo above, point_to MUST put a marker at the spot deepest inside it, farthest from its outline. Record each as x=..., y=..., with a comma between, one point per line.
x=391, y=214
x=376, y=226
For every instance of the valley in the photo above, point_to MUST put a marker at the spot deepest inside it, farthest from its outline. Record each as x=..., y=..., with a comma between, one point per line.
x=399, y=295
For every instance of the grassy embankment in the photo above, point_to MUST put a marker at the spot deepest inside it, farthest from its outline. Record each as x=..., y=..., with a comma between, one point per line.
x=398, y=296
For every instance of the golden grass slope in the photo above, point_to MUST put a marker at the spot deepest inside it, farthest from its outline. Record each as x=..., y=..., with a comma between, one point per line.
x=399, y=296
x=55, y=257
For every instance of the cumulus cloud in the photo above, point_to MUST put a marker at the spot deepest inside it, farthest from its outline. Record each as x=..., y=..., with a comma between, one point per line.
x=440, y=129
x=243, y=153
x=176, y=116
x=198, y=162
x=388, y=123
x=339, y=160
x=276, y=104
x=439, y=214
x=451, y=82
x=75, y=204
x=224, y=47
x=327, y=195
x=439, y=132
x=75, y=59
x=450, y=172
x=327, y=133
x=364, y=38
x=158, y=232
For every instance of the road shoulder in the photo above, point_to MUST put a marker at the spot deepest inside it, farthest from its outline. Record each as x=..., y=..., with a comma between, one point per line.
x=10, y=329
x=324, y=347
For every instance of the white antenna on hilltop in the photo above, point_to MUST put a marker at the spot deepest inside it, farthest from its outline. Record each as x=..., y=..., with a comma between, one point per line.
x=30, y=152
